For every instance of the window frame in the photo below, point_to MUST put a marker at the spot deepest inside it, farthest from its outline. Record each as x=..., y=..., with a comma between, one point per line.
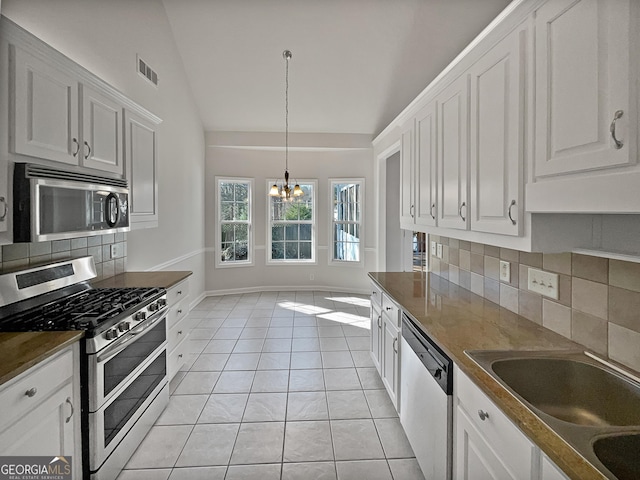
x=249, y=262
x=314, y=226
x=330, y=257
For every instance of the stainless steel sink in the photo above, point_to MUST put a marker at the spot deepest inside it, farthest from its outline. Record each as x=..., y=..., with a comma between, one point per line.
x=592, y=406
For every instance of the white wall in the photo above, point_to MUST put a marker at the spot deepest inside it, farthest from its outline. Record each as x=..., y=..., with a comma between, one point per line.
x=104, y=37
x=260, y=156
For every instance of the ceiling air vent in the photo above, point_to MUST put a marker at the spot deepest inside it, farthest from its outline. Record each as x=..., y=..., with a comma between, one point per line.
x=147, y=72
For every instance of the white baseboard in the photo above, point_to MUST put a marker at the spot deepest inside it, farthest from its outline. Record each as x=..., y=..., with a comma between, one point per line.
x=283, y=288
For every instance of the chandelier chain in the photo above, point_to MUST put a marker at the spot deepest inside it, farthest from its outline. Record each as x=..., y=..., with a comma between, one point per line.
x=286, y=114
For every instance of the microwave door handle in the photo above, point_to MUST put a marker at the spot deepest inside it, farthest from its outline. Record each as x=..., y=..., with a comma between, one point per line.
x=120, y=346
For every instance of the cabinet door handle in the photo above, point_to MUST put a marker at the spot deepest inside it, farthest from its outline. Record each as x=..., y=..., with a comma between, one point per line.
x=179, y=311
x=433, y=206
x=462, y=205
x=380, y=321
x=618, y=144
x=4, y=213
x=31, y=392
x=395, y=345
x=483, y=415
x=89, y=152
x=75, y=140
x=411, y=210
x=72, y=410
x=513, y=202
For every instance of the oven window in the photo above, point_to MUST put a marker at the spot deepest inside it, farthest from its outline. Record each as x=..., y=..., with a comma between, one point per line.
x=120, y=367
x=128, y=402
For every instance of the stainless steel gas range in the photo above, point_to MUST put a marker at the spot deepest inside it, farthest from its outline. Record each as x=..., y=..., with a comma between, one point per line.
x=124, y=366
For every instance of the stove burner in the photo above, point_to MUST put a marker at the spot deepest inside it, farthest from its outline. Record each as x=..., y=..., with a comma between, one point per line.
x=87, y=310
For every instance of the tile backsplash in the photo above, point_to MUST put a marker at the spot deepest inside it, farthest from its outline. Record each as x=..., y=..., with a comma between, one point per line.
x=598, y=302
x=22, y=255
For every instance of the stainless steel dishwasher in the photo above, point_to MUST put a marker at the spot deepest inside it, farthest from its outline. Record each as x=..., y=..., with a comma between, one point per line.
x=426, y=385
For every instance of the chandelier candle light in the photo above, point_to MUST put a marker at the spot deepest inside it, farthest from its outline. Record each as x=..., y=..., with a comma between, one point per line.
x=284, y=190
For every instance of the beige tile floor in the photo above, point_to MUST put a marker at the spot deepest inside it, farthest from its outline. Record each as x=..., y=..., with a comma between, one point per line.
x=278, y=385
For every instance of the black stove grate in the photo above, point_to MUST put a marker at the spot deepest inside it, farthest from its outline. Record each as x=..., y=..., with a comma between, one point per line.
x=86, y=310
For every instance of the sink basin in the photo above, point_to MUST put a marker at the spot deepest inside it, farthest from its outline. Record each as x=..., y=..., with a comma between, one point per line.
x=619, y=454
x=572, y=390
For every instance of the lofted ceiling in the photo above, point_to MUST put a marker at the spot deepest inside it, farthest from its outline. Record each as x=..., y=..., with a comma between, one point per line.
x=356, y=63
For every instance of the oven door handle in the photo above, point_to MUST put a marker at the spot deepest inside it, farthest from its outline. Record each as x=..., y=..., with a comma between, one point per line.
x=114, y=350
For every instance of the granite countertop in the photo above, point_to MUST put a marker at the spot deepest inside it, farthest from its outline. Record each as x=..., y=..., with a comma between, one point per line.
x=164, y=279
x=458, y=320
x=22, y=350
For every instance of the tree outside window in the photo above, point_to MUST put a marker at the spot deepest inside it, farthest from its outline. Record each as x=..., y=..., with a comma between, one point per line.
x=292, y=227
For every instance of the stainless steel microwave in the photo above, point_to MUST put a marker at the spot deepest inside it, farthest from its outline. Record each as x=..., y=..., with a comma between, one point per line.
x=54, y=204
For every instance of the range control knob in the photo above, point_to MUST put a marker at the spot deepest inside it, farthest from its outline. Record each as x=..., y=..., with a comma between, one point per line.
x=111, y=334
x=124, y=326
x=153, y=307
x=140, y=316
x=162, y=302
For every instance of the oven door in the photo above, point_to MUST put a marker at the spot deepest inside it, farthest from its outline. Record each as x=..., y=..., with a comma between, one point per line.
x=116, y=365
x=114, y=420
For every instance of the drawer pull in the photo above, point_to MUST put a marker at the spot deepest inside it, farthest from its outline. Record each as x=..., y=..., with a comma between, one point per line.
x=179, y=332
x=179, y=292
x=389, y=308
x=72, y=410
x=31, y=392
x=180, y=356
x=483, y=415
x=179, y=311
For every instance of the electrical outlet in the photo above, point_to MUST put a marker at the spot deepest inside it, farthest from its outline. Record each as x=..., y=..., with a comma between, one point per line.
x=544, y=283
x=439, y=251
x=312, y=276
x=114, y=251
x=433, y=249
x=505, y=271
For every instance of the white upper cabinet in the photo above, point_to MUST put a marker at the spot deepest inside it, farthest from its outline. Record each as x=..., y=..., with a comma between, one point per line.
x=407, y=168
x=45, y=110
x=586, y=108
x=497, y=138
x=453, y=102
x=102, y=131
x=582, y=80
x=142, y=170
x=425, y=166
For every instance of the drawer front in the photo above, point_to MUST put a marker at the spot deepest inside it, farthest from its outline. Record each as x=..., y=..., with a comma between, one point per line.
x=177, y=312
x=511, y=445
x=177, y=334
x=41, y=381
x=176, y=359
x=391, y=310
x=376, y=295
x=178, y=292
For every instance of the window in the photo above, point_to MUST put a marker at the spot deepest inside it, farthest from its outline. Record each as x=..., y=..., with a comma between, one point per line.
x=346, y=215
x=292, y=228
x=234, y=221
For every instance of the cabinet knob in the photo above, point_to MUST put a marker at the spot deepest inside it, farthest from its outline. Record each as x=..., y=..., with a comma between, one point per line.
x=483, y=415
x=179, y=332
x=389, y=308
x=179, y=292
x=180, y=356
x=179, y=311
x=31, y=392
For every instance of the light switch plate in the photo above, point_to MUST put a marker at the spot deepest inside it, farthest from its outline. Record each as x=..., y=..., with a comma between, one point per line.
x=433, y=249
x=439, y=251
x=544, y=283
x=505, y=271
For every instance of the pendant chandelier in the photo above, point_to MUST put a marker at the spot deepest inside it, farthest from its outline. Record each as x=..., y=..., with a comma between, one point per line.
x=282, y=188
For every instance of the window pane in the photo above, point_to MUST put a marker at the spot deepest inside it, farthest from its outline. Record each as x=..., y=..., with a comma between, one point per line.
x=242, y=192
x=241, y=211
x=291, y=232
x=227, y=232
x=226, y=211
x=305, y=251
x=277, y=233
x=346, y=201
x=235, y=214
x=242, y=232
x=305, y=231
x=277, y=250
x=291, y=250
x=226, y=192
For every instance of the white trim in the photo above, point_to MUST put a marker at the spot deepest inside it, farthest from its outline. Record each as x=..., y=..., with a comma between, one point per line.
x=197, y=300
x=250, y=262
x=314, y=227
x=180, y=259
x=285, y=288
x=291, y=149
x=344, y=263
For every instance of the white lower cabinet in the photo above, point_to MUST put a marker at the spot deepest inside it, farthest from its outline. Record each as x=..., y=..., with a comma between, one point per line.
x=179, y=326
x=41, y=410
x=487, y=445
x=549, y=470
x=376, y=334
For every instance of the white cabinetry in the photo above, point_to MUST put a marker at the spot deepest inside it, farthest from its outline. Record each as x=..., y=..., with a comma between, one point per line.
x=141, y=169
x=418, y=170
x=453, y=117
x=549, y=470
x=486, y=444
x=376, y=325
x=56, y=117
x=497, y=137
x=385, y=341
x=179, y=326
x=586, y=98
x=41, y=410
